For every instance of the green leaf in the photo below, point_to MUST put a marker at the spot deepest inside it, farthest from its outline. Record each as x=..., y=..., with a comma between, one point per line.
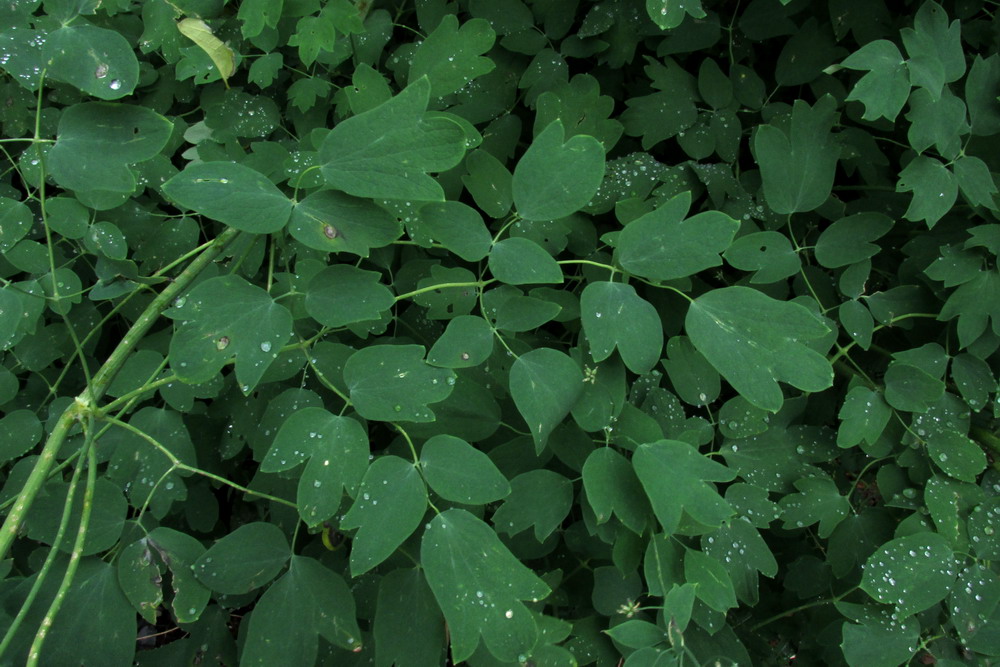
x=544, y=384
x=389, y=506
x=913, y=573
x=849, y=240
x=98, y=61
x=678, y=479
x=231, y=193
x=459, y=472
x=457, y=227
x=479, y=586
x=984, y=109
x=934, y=189
x=245, y=559
x=975, y=181
x=974, y=303
x=741, y=550
x=387, y=151
x=538, y=498
x=797, y=166
x=935, y=49
x=693, y=378
x=956, y=454
x=409, y=628
x=451, y=56
x=910, y=388
x=556, y=177
x=310, y=600
x=107, y=517
x=613, y=315
x=489, y=182
x=637, y=634
x=818, y=501
x=712, y=583
x=864, y=415
x=668, y=14
x=20, y=430
x=983, y=529
x=755, y=341
x=223, y=57
x=519, y=261
x=225, y=317
x=770, y=254
x=97, y=141
x=332, y=221
x=337, y=449
x=179, y=551
x=612, y=486
x=936, y=122
x=886, y=87
x=880, y=640
x=663, y=245
x=393, y=383
x=466, y=341
x=525, y=313
x=342, y=294
x=255, y=14
x=15, y=221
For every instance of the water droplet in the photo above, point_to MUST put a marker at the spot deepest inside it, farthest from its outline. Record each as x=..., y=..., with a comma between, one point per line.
x=222, y=343
x=101, y=71
x=265, y=346
x=115, y=84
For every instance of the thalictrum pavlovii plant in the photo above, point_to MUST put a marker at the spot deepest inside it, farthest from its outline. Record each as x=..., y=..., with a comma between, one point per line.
x=549, y=332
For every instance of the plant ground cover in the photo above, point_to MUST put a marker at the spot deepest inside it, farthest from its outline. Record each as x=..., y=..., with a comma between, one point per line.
x=549, y=332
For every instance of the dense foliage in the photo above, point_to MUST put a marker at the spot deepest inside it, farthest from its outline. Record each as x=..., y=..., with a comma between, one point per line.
x=549, y=332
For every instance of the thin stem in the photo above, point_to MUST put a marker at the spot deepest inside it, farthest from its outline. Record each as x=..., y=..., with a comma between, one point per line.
x=430, y=288
x=87, y=400
x=74, y=560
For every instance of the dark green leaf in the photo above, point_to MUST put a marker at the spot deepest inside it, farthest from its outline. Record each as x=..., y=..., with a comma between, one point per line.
x=479, y=586
x=544, y=384
x=342, y=294
x=245, y=559
x=98, y=61
x=912, y=573
x=519, y=261
x=389, y=506
x=335, y=222
x=459, y=472
x=539, y=499
x=613, y=315
x=394, y=383
x=451, y=56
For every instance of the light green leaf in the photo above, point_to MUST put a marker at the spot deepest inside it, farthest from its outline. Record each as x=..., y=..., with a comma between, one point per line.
x=335, y=222
x=459, y=472
x=337, y=449
x=387, y=151
x=231, y=193
x=538, y=498
x=770, y=254
x=818, y=501
x=956, y=454
x=245, y=559
x=310, y=600
x=678, y=479
x=712, y=583
x=913, y=573
x=934, y=189
x=479, y=586
x=389, y=506
x=458, y=227
x=544, y=384
x=225, y=317
x=342, y=294
x=910, y=388
x=613, y=315
x=97, y=141
x=556, y=177
x=663, y=245
x=849, y=240
x=975, y=181
x=451, y=56
x=694, y=379
x=863, y=416
x=886, y=86
x=755, y=341
x=15, y=221
x=612, y=486
x=466, y=341
x=797, y=166
x=393, y=383
x=668, y=14
x=223, y=57
x=98, y=61
x=519, y=261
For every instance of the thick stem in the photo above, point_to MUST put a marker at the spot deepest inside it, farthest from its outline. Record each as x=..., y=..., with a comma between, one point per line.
x=87, y=400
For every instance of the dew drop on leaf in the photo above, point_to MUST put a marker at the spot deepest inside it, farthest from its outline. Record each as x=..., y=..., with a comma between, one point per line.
x=115, y=84
x=222, y=343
